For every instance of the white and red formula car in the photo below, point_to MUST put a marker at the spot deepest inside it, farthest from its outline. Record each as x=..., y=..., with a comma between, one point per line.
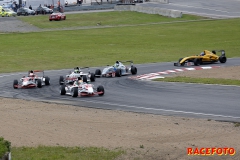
x=81, y=89
x=32, y=80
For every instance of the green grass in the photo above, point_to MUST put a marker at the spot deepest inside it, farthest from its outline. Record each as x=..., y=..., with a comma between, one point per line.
x=5, y=146
x=106, y=18
x=200, y=80
x=99, y=47
x=64, y=153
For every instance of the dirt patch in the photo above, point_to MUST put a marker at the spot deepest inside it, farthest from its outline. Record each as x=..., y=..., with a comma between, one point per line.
x=144, y=136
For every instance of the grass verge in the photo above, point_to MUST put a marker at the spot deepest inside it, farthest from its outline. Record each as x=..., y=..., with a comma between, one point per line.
x=63, y=153
x=114, y=18
x=100, y=47
x=200, y=80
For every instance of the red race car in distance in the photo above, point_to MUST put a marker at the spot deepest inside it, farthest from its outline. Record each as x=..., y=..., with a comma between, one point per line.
x=57, y=16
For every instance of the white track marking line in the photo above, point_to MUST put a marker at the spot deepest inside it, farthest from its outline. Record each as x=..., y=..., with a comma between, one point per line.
x=165, y=110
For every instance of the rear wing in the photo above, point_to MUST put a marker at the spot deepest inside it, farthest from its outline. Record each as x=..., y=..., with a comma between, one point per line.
x=222, y=52
x=37, y=71
x=130, y=61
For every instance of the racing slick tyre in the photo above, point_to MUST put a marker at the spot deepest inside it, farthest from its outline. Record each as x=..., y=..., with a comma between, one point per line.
x=74, y=92
x=15, y=84
x=98, y=72
x=62, y=90
x=133, y=70
x=39, y=83
x=47, y=81
x=84, y=78
x=223, y=59
x=196, y=62
x=100, y=89
x=182, y=64
x=92, y=77
x=61, y=80
x=118, y=73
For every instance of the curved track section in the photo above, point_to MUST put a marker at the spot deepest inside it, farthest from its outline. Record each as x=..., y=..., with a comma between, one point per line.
x=190, y=100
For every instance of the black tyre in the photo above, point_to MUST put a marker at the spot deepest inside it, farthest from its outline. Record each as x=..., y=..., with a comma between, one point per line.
x=196, y=62
x=180, y=59
x=98, y=72
x=223, y=59
x=118, y=73
x=26, y=14
x=62, y=90
x=74, y=92
x=61, y=80
x=15, y=84
x=18, y=14
x=133, y=70
x=39, y=83
x=50, y=20
x=100, y=89
x=92, y=77
x=47, y=81
x=84, y=78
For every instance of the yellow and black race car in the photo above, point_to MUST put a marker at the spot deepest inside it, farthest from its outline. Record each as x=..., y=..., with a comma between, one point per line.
x=205, y=57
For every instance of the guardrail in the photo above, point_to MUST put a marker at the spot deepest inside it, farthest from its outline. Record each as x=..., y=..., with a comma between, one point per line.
x=149, y=10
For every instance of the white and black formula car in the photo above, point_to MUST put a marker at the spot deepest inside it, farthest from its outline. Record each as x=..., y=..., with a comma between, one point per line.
x=117, y=70
x=73, y=76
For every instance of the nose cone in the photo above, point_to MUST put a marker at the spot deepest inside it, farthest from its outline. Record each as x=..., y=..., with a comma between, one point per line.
x=90, y=90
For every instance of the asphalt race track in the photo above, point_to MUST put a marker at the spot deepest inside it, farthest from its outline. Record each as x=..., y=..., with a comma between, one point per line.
x=179, y=99
x=208, y=8
x=122, y=93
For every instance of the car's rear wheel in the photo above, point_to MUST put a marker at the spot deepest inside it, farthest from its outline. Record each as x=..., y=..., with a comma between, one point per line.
x=100, y=89
x=62, y=90
x=61, y=80
x=98, y=72
x=223, y=59
x=39, y=83
x=133, y=70
x=84, y=78
x=92, y=77
x=15, y=84
x=196, y=62
x=47, y=81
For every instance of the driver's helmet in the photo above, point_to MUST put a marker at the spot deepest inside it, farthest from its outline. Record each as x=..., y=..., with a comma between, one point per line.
x=117, y=64
x=202, y=54
x=31, y=74
x=76, y=70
